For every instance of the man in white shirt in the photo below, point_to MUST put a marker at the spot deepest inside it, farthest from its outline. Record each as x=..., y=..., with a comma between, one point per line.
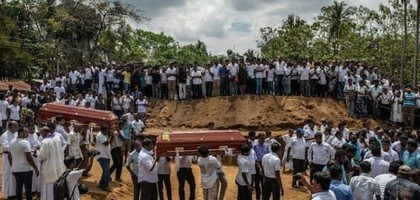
x=296, y=149
x=23, y=164
x=164, y=177
x=250, y=69
x=103, y=146
x=197, y=83
x=74, y=139
x=184, y=173
x=383, y=179
x=44, y=86
x=4, y=105
x=271, y=166
x=132, y=166
x=8, y=181
x=208, y=166
x=116, y=154
x=138, y=125
x=233, y=69
x=216, y=78
x=171, y=73
x=51, y=156
x=58, y=90
x=319, y=154
x=61, y=130
x=279, y=75
x=364, y=186
x=88, y=78
x=378, y=164
x=386, y=147
x=304, y=80
x=148, y=175
x=243, y=178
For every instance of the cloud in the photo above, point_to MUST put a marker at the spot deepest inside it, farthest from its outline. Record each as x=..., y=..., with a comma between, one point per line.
x=227, y=24
x=242, y=27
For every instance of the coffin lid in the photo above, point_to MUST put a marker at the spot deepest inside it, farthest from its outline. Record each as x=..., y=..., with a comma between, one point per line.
x=80, y=114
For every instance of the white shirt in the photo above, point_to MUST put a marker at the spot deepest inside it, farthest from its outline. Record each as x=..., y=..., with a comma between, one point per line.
x=208, y=167
x=320, y=153
x=14, y=112
x=141, y=105
x=298, y=146
x=309, y=136
x=393, y=155
x=233, y=68
x=74, y=145
x=185, y=161
x=383, y=179
x=5, y=140
x=172, y=71
x=60, y=129
x=126, y=101
x=133, y=159
x=72, y=180
x=88, y=73
x=58, y=91
x=3, y=109
x=105, y=150
x=252, y=158
x=342, y=72
x=138, y=126
x=243, y=167
x=18, y=149
x=279, y=70
x=271, y=163
x=364, y=187
x=338, y=143
x=44, y=87
x=207, y=76
x=375, y=91
x=74, y=76
x=324, y=196
x=250, y=71
x=197, y=80
x=379, y=166
x=215, y=71
x=147, y=172
x=304, y=73
x=51, y=155
x=163, y=166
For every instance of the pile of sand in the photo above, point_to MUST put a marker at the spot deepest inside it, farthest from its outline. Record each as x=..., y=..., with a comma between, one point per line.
x=246, y=112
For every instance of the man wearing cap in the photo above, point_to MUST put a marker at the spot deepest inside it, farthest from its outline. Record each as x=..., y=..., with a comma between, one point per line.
x=402, y=181
x=297, y=147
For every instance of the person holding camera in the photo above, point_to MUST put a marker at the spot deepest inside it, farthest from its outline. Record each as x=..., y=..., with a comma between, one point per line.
x=75, y=188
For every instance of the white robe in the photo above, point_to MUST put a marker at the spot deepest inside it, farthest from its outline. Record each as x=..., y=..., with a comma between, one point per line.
x=51, y=156
x=8, y=181
x=36, y=180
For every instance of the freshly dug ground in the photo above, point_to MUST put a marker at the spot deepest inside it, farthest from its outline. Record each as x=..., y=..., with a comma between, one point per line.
x=241, y=112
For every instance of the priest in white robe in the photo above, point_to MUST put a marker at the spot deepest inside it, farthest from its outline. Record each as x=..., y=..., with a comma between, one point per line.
x=8, y=181
x=51, y=156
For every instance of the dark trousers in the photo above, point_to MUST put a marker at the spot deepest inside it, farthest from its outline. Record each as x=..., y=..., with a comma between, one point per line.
x=224, y=86
x=136, y=188
x=295, y=87
x=197, y=91
x=185, y=174
x=244, y=193
x=209, y=89
x=164, y=179
x=117, y=162
x=105, y=177
x=23, y=179
x=271, y=187
x=322, y=90
x=298, y=167
x=164, y=92
x=314, y=87
x=259, y=185
x=148, y=191
x=250, y=86
x=88, y=84
x=315, y=168
x=385, y=111
x=279, y=85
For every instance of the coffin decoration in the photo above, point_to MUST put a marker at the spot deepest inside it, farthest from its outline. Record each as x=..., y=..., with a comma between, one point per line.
x=220, y=142
x=84, y=116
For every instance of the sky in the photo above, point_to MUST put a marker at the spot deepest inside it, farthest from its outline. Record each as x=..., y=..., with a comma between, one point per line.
x=226, y=24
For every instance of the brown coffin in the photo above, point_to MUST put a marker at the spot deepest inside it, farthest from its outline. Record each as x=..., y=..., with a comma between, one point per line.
x=81, y=115
x=187, y=142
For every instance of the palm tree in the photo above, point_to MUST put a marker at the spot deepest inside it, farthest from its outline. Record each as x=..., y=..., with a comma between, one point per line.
x=249, y=54
x=336, y=17
x=416, y=56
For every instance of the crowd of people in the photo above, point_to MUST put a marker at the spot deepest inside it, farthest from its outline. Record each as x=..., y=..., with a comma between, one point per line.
x=378, y=163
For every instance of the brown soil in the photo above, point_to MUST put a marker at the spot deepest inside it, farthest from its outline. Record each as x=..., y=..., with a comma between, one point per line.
x=243, y=113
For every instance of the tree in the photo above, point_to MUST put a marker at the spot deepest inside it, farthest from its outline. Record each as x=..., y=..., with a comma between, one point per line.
x=336, y=19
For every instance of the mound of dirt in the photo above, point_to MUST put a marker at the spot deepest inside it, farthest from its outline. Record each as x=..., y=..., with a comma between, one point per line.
x=246, y=112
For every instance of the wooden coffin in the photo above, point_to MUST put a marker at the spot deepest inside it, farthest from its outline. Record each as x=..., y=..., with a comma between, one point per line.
x=84, y=116
x=187, y=142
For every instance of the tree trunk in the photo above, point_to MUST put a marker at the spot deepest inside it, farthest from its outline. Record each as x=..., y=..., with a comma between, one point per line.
x=404, y=47
x=416, y=56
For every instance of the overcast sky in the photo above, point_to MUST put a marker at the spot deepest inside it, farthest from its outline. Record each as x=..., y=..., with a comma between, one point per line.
x=227, y=24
